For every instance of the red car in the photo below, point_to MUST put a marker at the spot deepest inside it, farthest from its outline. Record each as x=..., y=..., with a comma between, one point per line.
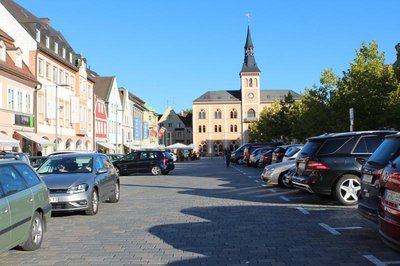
x=389, y=208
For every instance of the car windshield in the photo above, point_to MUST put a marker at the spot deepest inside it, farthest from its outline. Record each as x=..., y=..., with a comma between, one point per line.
x=66, y=165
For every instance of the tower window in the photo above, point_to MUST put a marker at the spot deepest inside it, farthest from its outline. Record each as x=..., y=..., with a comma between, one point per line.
x=251, y=114
x=250, y=82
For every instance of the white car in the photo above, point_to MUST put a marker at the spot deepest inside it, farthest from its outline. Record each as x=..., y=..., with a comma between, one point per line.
x=173, y=156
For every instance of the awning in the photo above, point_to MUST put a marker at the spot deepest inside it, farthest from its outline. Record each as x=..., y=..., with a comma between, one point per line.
x=6, y=141
x=35, y=138
x=106, y=145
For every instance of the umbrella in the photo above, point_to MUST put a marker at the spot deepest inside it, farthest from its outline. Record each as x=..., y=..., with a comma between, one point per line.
x=179, y=146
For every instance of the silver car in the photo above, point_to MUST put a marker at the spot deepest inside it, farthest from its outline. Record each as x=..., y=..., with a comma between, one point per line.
x=80, y=181
x=274, y=174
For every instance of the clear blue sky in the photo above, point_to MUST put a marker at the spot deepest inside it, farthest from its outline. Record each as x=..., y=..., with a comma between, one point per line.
x=173, y=51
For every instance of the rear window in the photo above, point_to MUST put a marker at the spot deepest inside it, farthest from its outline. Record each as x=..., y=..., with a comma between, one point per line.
x=279, y=149
x=386, y=152
x=310, y=148
x=332, y=145
x=291, y=151
x=368, y=144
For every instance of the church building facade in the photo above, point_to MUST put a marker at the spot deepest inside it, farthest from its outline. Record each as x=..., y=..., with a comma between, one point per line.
x=221, y=118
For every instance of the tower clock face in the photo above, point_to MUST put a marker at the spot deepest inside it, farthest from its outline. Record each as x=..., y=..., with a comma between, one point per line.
x=250, y=95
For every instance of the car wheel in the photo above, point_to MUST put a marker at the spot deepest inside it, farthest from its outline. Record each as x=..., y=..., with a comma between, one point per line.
x=348, y=189
x=282, y=181
x=156, y=170
x=115, y=197
x=36, y=231
x=93, y=204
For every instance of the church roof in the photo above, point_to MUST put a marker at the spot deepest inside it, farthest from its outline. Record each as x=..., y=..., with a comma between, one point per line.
x=235, y=95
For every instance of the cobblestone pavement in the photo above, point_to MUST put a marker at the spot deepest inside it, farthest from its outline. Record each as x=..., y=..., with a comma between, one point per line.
x=206, y=214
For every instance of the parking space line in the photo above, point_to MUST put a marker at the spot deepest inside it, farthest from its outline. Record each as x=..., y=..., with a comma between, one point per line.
x=272, y=190
x=257, y=181
x=374, y=260
x=331, y=230
x=264, y=185
x=348, y=228
x=284, y=198
x=302, y=210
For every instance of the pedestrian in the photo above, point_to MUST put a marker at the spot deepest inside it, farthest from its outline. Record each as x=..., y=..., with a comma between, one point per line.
x=39, y=150
x=227, y=157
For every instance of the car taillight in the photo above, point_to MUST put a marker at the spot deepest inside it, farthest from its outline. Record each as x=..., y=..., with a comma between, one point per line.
x=291, y=159
x=265, y=157
x=315, y=165
x=164, y=160
x=279, y=154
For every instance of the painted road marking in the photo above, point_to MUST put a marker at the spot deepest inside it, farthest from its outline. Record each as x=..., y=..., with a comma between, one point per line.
x=374, y=260
x=334, y=231
x=264, y=185
x=302, y=210
x=257, y=181
x=284, y=198
x=272, y=190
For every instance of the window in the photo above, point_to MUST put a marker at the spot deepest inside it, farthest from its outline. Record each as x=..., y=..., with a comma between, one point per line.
x=219, y=128
x=63, y=53
x=233, y=114
x=204, y=128
x=99, y=163
x=29, y=176
x=2, y=51
x=178, y=125
x=169, y=124
x=250, y=82
x=55, y=74
x=10, y=99
x=72, y=84
x=37, y=35
x=70, y=57
x=40, y=103
x=215, y=128
x=200, y=129
x=28, y=103
x=18, y=60
x=231, y=128
x=47, y=42
x=218, y=114
x=66, y=78
x=40, y=67
x=202, y=114
x=251, y=114
x=19, y=101
x=332, y=145
x=61, y=77
x=368, y=144
x=56, y=47
x=11, y=182
x=235, y=127
x=48, y=72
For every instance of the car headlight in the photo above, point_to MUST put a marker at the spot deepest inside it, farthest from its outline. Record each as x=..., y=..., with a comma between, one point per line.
x=78, y=189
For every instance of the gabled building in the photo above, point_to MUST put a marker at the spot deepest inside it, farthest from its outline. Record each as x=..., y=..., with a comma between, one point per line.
x=150, y=126
x=221, y=118
x=63, y=103
x=177, y=128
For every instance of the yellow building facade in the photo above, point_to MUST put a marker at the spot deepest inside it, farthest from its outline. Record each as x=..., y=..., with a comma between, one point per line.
x=221, y=118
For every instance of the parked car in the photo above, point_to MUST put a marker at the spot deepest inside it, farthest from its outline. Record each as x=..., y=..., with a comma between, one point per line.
x=372, y=171
x=237, y=155
x=155, y=162
x=249, y=148
x=265, y=158
x=388, y=209
x=256, y=155
x=173, y=155
x=24, y=206
x=10, y=155
x=114, y=157
x=274, y=174
x=80, y=181
x=36, y=161
x=291, y=153
x=330, y=164
x=279, y=152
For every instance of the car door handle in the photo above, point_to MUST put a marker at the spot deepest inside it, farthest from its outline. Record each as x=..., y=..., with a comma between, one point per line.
x=4, y=211
x=361, y=160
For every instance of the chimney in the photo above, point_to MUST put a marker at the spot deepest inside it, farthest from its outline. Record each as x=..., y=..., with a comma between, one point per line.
x=45, y=21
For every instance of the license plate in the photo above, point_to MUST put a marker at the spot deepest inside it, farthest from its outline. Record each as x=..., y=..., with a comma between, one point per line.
x=367, y=178
x=392, y=196
x=302, y=166
x=53, y=199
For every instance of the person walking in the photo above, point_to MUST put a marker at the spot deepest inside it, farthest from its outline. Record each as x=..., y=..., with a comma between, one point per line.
x=227, y=157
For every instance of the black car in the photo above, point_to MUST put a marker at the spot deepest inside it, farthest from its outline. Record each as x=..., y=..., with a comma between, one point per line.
x=280, y=151
x=155, y=162
x=330, y=164
x=115, y=157
x=237, y=154
x=371, y=171
x=37, y=161
x=250, y=147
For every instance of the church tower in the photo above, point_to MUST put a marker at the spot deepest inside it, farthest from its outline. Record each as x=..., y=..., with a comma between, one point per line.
x=250, y=87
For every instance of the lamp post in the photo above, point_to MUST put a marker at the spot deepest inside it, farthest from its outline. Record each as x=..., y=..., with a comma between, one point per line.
x=116, y=128
x=56, y=105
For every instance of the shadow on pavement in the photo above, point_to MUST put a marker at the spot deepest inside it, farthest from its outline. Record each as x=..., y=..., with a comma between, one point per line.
x=265, y=235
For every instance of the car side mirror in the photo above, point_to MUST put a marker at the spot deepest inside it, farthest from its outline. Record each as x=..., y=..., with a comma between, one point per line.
x=392, y=164
x=102, y=171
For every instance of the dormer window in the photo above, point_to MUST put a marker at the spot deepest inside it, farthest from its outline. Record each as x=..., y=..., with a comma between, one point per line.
x=18, y=60
x=37, y=35
x=70, y=57
x=63, y=53
x=2, y=51
x=47, y=42
x=56, y=48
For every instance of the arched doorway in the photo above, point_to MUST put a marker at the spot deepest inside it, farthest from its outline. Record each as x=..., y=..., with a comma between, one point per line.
x=88, y=146
x=78, y=144
x=69, y=144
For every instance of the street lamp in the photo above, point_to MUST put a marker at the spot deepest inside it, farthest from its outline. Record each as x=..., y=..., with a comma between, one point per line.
x=56, y=86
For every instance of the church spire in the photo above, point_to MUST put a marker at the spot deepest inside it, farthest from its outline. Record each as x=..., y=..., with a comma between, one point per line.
x=249, y=64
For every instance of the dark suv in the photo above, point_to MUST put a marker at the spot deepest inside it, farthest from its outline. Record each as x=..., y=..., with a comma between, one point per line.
x=280, y=151
x=330, y=164
x=372, y=171
x=155, y=162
